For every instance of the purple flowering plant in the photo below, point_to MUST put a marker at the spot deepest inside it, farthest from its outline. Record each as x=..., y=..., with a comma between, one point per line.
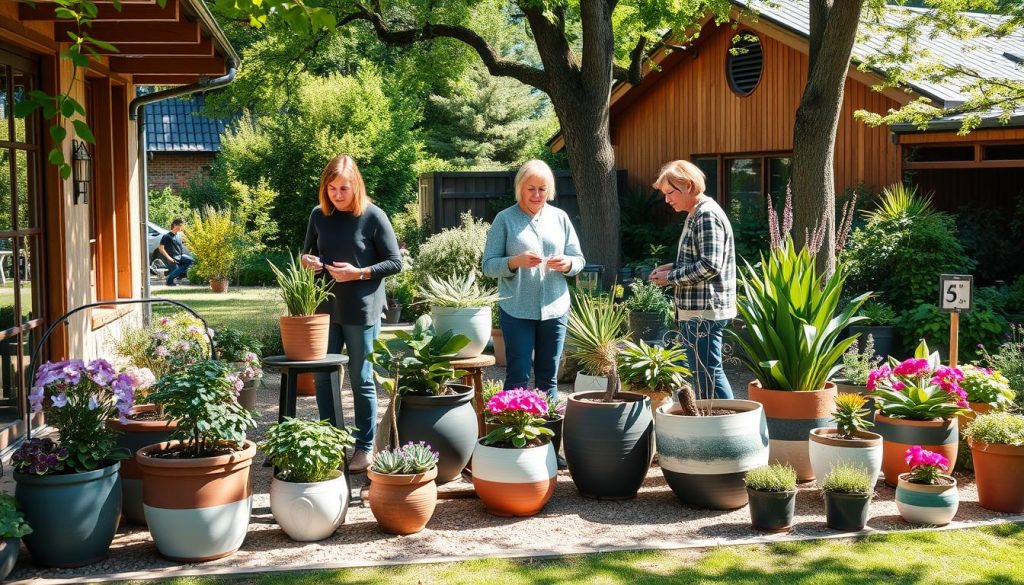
x=918, y=388
x=925, y=466
x=169, y=344
x=78, y=397
x=40, y=457
x=519, y=412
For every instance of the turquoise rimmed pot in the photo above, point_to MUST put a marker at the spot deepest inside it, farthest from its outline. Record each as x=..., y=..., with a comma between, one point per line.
x=922, y=503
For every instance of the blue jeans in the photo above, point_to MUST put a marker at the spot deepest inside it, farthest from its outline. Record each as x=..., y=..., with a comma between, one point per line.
x=526, y=338
x=359, y=340
x=180, y=268
x=705, y=336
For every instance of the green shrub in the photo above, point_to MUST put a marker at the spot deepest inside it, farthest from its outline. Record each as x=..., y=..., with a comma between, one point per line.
x=217, y=242
x=997, y=428
x=1008, y=360
x=254, y=269
x=647, y=297
x=165, y=205
x=455, y=251
x=12, y=521
x=408, y=228
x=845, y=478
x=980, y=327
x=877, y=313
x=986, y=386
x=646, y=221
x=771, y=478
x=858, y=364
x=1015, y=296
x=306, y=451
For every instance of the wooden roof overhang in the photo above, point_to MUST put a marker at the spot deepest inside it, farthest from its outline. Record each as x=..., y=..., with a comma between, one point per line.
x=174, y=44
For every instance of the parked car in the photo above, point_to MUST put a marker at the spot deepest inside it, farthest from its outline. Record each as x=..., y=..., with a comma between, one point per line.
x=157, y=263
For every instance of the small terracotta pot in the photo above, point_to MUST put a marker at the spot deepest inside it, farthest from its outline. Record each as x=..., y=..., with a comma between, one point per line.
x=976, y=409
x=219, y=285
x=498, y=337
x=999, y=471
x=791, y=415
x=305, y=338
x=402, y=504
x=306, y=385
x=921, y=503
x=939, y=436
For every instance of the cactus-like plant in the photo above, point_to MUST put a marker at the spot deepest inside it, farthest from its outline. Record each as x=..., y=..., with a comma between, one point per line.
x=849, y=415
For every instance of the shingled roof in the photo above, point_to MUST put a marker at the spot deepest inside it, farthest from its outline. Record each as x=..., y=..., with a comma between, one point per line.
x=178, y=125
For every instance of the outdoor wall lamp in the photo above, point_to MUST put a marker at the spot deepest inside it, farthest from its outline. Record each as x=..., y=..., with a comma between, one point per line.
x=81, y=171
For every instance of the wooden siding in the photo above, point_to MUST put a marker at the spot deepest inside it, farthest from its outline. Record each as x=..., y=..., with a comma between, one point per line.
x=985, y=135
x=690, y=110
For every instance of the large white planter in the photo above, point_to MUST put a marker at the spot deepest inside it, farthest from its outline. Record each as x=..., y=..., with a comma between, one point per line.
x=585, y=383
x=514, y=482
x=309, y=511
x=474, y=323
x=826, y=450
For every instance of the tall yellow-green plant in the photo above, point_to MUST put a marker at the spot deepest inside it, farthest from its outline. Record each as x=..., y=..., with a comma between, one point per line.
x=216, y=240
x=595, y=330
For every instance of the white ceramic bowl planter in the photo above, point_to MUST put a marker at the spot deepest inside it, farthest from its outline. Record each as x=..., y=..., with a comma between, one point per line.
x=309, y=511
x=473, y=322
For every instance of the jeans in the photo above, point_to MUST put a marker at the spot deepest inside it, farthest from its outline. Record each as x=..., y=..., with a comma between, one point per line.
x=180, y=268
x=533, y=344
x=359, y=340
x=705, y=336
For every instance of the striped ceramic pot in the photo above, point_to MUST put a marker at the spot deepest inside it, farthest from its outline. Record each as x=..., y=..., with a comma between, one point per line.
x=514, y=482
x=863, y=449
x=704, y=458
x=135, y=434
x=921, y=503
x=197, y=509
x=939, y=436
x=791, y=415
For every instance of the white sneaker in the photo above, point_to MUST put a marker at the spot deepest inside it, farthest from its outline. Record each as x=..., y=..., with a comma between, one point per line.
x=360, y=461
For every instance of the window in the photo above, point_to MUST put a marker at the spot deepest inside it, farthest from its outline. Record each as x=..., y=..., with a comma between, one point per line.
x=748, y=182
x=745, y=63
x=709, y=165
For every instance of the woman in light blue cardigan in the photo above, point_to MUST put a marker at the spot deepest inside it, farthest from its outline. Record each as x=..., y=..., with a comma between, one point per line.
x=532, y=249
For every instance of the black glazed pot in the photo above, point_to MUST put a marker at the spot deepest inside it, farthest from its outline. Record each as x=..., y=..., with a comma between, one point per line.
x=771, y=511
x=448, y=423
x=846, y=512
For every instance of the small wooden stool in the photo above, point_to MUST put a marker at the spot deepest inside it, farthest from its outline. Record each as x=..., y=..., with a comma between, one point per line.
x=474, y=377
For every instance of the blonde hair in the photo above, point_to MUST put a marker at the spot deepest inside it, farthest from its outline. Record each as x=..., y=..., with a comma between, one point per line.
x=535, y=168
x=677, y=171
x=343, y=165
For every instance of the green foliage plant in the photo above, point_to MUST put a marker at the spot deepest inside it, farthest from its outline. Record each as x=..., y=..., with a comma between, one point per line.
x=987, y=386
x=980, y=327
x=216, y=240
x=997, y=428
x=202, y=399
x=458, y=292
x=877, y=313
x=409, y=459
x=793, y=319
x=169, y=343
x=302, y=290
x=595, y=332
x=846, y=478
x=647, y=297
x=233, y=344
x=12, y=521
x=857, y=363
x=165, y=205
x=849, y=415
x=652, y=368
x=776, y=477
x=421, y=360
x=306, y=451
x=454, y=251
x=1008, y=360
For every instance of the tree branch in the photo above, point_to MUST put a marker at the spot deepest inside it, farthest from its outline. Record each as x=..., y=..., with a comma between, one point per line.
x=552, y=46
x=598, y=43
x=635, y=74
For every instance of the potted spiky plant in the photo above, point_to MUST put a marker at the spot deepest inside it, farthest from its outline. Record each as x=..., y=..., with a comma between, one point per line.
x=848, y=441
x=303, y=330
x=460, y=305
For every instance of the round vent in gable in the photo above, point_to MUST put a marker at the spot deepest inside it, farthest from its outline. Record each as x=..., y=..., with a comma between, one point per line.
x=745, y=63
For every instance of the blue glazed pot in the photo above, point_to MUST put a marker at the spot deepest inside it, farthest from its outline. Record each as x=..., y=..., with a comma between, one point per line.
x=920, y=503
x=9, y=549
x=73, y=516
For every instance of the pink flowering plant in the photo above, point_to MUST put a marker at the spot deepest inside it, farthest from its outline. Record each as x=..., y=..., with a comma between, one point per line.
x=169, y=344
x=519, y=412
x=918, y=388
x=925, y=466
x=77, y=398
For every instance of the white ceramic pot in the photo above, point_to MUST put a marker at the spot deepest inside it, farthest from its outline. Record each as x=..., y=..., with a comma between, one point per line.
x=585, y=383
x=826, y=449
x=514, y=482
x=474, y=323
x=309, y=511
x=927, y=504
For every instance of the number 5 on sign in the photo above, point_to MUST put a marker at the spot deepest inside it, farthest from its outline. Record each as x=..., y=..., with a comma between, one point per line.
x=955, y=296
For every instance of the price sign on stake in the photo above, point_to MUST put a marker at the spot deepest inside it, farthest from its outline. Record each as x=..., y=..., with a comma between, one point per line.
x=956, y=295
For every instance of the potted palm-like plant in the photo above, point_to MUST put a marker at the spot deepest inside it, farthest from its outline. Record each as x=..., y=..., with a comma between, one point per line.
x=197, y=493
x=460, y=305
x=791, y=342
x=12, y=528
x=403, y=494
x=847, y=490
x=308, y=495
x=649, y=312
x=927, y=494
x=848, y=441
x=997, y=444
x=607, y=434
x=303, y=330
x=772, y=493
x=652, y=370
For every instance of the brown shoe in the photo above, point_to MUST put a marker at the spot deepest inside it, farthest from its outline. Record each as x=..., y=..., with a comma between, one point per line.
x=360, y=461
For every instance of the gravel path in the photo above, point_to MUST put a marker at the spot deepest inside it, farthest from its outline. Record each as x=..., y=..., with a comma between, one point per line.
x=460, y=528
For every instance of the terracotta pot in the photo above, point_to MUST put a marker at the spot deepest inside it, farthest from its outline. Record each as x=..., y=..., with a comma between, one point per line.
x=136, y=434
x=791, y=415
x=940, y=436
x=305, y=338
x=999, y=471
x=976, y=409
x=514, y=482
x=402, y=504
x=219, y=285
x=197, y=509
x=306, y=385
x=921, y=503
x=499, y=347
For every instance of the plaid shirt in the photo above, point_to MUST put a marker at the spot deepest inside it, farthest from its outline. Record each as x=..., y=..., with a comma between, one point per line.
x=705, y=267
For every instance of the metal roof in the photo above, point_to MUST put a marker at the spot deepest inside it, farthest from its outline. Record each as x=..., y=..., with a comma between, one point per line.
x=178, y=125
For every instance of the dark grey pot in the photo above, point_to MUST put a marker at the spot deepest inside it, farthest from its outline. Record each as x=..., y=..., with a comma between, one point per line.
x=846, y=512
x=771, y=511
x=650, y=327
x=393, y=315
x=9, y=549
x=73, y=517
x=608, y=445
x=133, y=439
x=883, y=335
x=556, y=426
x=448, y=423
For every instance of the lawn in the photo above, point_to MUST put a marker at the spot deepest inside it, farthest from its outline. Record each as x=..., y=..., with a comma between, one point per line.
x=247, y=308
x=971, y=556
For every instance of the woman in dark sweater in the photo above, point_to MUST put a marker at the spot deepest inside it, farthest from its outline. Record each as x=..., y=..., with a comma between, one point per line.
x=351, y=241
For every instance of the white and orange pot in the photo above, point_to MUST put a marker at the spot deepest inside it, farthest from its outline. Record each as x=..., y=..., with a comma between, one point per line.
x=514, y=482
x=791, y=415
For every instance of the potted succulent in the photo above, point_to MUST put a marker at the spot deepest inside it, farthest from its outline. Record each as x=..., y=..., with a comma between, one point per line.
x=242, y=351
x=77, y=398
x=997, y=444
x=12, y=528
x=309, y=494
x=460, y=305
x=857, y=364
x=649, y=312
x=791, y=342
x=848, y=441
x=514, y=466
x=303, y=330
x=403, y=494
x=771, y=490
x=607, y=435
x=415, y=369
x=918, y=401
x=878, y=323
x=847, y=490
x=652, y=370
x=197, y=493
x=927, y=494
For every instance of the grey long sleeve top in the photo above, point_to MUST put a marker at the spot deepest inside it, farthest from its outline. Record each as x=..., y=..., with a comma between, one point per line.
x=364, y=241
x=532, y=293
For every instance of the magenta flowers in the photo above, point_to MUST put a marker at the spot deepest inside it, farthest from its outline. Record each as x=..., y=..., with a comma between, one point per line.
x=519, y=412
x=925, y=466
x=919, y=388
x=520, y=399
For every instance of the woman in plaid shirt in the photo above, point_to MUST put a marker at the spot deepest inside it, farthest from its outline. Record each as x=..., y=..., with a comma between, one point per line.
x=704, y=275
